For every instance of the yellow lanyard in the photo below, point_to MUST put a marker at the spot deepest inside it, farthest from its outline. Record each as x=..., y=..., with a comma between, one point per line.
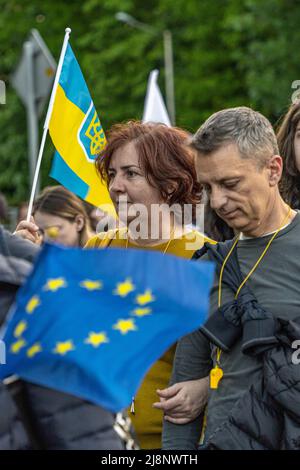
x=217, y=373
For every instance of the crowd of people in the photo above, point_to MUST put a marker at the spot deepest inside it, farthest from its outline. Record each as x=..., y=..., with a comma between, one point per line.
x=231, y=384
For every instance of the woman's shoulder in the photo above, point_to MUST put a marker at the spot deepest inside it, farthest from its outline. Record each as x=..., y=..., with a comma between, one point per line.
x=102, y=239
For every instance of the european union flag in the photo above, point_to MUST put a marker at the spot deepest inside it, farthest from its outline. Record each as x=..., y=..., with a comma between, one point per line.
x=77, y=135
x=92, y=322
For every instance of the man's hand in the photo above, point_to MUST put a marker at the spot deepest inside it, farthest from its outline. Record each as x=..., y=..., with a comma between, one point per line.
x=183, y=401
x=28, y=230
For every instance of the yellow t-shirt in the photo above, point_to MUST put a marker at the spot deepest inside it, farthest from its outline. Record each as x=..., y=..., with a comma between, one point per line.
x=147, y=421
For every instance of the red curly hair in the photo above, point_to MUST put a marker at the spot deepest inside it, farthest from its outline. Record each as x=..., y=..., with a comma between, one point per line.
x=164, y=155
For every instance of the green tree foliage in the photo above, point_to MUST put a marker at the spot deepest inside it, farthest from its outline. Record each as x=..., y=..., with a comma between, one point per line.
x=265, y=38
x=226, y=53
x=17, y=18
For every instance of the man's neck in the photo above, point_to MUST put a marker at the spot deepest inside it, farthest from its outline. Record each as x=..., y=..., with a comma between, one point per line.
x=275, y=218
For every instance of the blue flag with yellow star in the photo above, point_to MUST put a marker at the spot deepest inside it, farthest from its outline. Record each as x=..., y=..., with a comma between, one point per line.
x=92, y=322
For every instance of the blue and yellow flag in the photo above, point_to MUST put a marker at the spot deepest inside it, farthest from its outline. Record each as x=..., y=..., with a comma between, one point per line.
x=77, y=135
x=91, y=322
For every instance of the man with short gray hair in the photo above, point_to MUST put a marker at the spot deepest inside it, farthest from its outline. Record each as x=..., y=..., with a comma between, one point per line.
x=256, y=294
x=248, y=129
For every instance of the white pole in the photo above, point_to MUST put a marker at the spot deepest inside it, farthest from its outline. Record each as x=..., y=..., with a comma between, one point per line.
x=47, y=120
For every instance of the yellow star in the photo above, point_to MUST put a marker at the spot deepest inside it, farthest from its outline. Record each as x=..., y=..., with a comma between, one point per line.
x=141, y=312
x=17, y=346
x=32, y=304
x=33, y=350
x=55, y=284
x=125, y=325
x=145, y=298
x=124, y=288
x=64, y=347
x=91, y=285
x=52, y=232
x=20, y=328
x=95, y=339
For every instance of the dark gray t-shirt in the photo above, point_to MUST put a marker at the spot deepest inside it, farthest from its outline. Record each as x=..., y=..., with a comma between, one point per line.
x=276, y=286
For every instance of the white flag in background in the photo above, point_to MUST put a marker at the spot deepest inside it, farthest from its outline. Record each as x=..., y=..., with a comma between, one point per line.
x=155, y=109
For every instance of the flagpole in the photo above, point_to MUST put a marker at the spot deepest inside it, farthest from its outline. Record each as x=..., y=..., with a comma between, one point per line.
x=47, y=120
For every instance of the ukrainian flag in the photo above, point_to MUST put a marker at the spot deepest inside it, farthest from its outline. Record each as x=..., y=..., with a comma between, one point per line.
x=77, y=135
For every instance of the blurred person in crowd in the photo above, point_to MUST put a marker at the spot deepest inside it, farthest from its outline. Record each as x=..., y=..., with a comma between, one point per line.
x=288, y=137
x=100, y=220
x=149, y=165
x=91, y=211
x=58, y=216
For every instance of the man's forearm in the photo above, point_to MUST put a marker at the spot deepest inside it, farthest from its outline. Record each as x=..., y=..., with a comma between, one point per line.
x=182, y=436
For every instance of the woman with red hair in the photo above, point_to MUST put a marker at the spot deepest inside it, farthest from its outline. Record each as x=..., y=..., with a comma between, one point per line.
x=151, y=177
